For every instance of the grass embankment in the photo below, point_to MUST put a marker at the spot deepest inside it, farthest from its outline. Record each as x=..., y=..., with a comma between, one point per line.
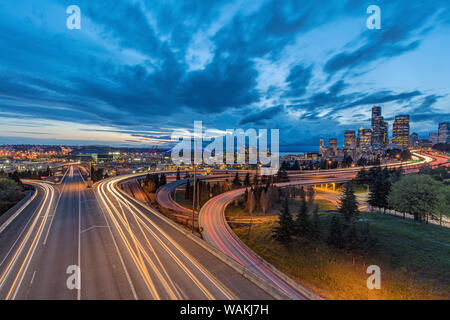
x=414, y=260
x=181, y=200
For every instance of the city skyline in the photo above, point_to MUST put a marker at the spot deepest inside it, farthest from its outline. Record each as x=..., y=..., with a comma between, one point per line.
x=232, y=64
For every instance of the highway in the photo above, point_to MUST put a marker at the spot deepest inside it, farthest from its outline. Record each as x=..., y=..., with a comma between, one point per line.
x=117, y=247
x=123, y=250
x=217, y=232
x=61, y=233
x=162, y=262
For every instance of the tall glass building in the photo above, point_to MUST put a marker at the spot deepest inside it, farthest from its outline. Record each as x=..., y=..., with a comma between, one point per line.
x=400, y=131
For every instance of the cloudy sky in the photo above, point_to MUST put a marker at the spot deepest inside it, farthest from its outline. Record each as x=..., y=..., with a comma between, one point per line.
x=137, y=70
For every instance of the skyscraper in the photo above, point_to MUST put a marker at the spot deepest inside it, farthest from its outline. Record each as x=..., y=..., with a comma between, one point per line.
x=434, y=138
x=376, y=111
x=322, y=149
x=349, y=139
x=400, y=131
x=364, y=139
x=332, y=145
x=379, y=128
x=413, y=139
x=444, y=132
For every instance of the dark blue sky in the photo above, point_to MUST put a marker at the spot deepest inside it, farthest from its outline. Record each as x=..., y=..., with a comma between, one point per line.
x=139, y=69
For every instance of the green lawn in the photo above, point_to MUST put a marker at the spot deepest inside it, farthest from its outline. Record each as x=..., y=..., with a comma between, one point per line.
x=414, y=260
x=179, y=198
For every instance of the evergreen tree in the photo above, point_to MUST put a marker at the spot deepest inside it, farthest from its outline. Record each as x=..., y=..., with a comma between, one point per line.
x=255, y=180
x=251, y=201
x=310, y=192
x=351, y=239
x=348, y=205
x=283, y=232
x=245, y=200
x=187, y=193
x=236, y=181
x=264, y=202
x=335, y=237
x=247, y=180
x=315, y=224
x=302, y=223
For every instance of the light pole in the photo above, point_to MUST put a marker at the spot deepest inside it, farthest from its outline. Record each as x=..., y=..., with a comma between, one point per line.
x=194, y=196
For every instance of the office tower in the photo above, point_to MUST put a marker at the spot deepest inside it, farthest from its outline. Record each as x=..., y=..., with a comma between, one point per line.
x=444, y=132
x=434, y=138
x=376, y=111
x=350, y=139
x=364, y=139
x=322, y=147
x=413, y=139
x=333, y=145
x=400, y=131
x=379, y=128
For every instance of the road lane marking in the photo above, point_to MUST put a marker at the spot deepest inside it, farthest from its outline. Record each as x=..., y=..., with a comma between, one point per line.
x=127, y=275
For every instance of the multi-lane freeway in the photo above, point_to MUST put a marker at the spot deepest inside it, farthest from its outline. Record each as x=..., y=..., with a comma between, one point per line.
x=110, y=244
x=72, y=242
x=217, y=232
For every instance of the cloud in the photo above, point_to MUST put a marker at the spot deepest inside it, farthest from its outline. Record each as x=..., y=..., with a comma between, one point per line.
x=404, y=24
x=258, y=117
x=298, y=80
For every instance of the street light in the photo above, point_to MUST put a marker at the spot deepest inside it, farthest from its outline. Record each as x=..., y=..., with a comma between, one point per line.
x=193, y=196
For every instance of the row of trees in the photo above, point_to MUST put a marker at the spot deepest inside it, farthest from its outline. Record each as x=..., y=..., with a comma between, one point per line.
x=380, y=181
x=344, y=229
x=306, y=223
x=153, y=181
x=205, y=191
x=421, y=195
x=27, y=174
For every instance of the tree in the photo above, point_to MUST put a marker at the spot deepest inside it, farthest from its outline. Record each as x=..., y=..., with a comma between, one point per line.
x=264, y=202
x=187, y=193
x=283, y=232
x=302, y=223
x=335, y=237
x=251, y=201
x=236, y=181
x=310, y=193
x=10, y=193
x=351, y=239
x=247, y=180
x=348, y=205
x=315, y=224
x=416, y=194
x=178, y=174
x=282, y=175
x=347, y=161
x=162, y=180
x=255, y=180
